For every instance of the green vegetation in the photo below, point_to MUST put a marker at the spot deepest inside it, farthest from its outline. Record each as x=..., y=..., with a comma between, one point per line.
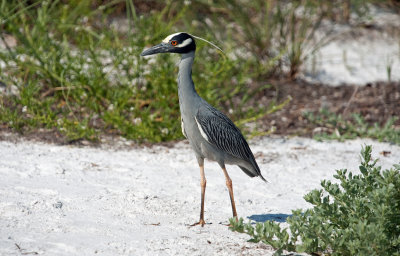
x=76, y=71
x=336, y=127
x=358, y=215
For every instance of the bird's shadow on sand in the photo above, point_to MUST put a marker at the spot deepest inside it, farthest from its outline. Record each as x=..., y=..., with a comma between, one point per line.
x=278, y=217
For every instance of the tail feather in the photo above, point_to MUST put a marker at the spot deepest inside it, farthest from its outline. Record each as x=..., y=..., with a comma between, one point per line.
x=251, y=174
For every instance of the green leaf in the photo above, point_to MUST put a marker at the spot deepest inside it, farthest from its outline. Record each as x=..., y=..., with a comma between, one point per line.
x=363, y=219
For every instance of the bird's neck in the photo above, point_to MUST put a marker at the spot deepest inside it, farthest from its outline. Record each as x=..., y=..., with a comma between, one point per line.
x=186, y=90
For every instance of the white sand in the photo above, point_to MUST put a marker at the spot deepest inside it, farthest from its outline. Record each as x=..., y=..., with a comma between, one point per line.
x=354, y=62
x=355, y=55
x=63, y=200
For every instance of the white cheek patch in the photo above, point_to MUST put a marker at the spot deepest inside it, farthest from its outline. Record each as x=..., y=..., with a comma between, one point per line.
x=185, y=43
x=168, y=38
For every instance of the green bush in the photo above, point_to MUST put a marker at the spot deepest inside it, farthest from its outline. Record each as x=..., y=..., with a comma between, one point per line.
x=359, y=215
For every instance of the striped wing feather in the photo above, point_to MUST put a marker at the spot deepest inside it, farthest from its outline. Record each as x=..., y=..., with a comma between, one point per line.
x=222, y=133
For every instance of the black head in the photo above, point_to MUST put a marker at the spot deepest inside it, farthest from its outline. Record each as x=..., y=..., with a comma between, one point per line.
x=176, y=43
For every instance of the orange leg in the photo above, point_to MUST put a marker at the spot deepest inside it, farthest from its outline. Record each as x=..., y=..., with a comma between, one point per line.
x=229, y=185
x=203, y=183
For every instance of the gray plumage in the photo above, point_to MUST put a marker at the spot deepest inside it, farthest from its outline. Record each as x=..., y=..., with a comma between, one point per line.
x=225, y=144
x=211, y=134
x=223, y=134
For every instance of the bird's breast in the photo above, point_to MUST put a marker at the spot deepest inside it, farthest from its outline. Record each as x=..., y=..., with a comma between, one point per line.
x=191, y=132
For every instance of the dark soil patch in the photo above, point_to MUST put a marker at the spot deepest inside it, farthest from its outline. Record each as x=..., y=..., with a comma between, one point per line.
x=376, y=102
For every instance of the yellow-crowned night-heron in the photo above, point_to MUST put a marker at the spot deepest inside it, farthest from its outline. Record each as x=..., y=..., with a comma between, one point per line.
x=211, y=134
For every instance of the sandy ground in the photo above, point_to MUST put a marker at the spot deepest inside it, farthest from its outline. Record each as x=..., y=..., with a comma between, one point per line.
x=354, y=61
x=357, y=54
x=65, y=200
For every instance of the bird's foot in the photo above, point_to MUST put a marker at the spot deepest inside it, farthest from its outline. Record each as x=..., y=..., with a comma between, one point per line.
x=200, y=222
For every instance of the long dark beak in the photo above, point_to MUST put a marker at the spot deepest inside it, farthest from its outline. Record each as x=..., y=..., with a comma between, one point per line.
x=159, y=48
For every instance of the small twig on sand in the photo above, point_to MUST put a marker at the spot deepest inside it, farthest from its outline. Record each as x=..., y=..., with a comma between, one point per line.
x=23, y=251
x=153, y=224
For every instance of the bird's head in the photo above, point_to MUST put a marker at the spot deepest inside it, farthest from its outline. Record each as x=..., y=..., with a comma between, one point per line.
x=176, y=43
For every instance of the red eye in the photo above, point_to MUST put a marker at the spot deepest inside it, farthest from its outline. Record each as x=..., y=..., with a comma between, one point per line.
x=174, y=43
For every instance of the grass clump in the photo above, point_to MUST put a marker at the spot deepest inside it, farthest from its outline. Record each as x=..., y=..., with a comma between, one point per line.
x=74, y=71
x=279, y=34
x=335, y=126
x=359, y=215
